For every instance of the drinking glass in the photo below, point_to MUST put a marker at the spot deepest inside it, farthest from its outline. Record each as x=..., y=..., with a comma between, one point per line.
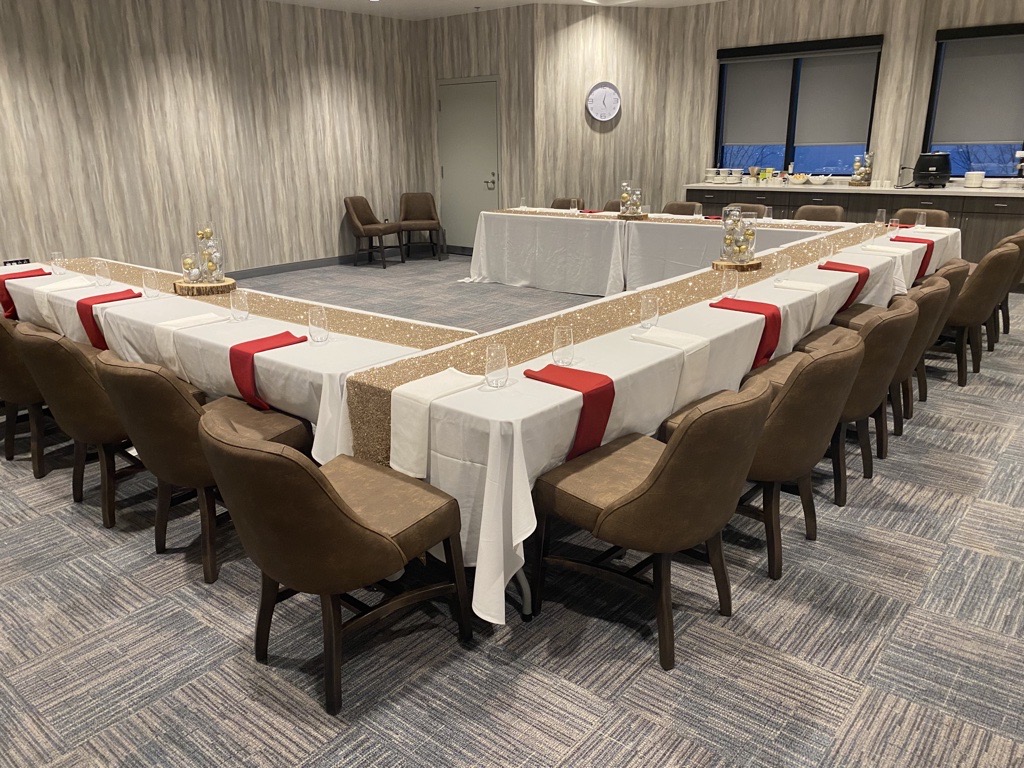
x=730, y=283
x=522, y=203
x=102, y=273
x=880, y=219
x=239, y=306
x=496, y=366
x=894, y=227
x=767, y=213
x=922, y=219
x=190, y=267
x=150, y=287
x=574, y=205
x=649, y=310
x=785, y=266
x=57, y=263
x=562, y=349
x=318, y=330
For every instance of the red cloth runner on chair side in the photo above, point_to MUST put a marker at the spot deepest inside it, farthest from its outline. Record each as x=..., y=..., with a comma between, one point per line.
x=598, y=393
x=92, y=328
x=10, y=312
x=862, y=274
x=772, y=325
x=929, y=248
x=243, y=366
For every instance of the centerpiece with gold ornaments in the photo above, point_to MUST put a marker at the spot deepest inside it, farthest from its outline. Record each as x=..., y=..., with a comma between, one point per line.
x=739, y=242
x=631, y=200
x=202, y=271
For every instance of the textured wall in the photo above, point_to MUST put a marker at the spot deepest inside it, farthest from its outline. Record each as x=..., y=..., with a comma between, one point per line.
x=122, y=121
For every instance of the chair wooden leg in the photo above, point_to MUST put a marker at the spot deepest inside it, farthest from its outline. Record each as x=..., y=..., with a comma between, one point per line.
x=663, y=597
x=881, y=416
x=992, y=330
x=974, y=339
x=35, y=427
x=1004, y=308
x=330, y=608
x=922, y=381
x=108, y=485
x=839, y=464
x=380, y=248
x=78, y=472
x=163, y=512
x=961, y=357
x=772, y=527
x=453, y=556
x=433, y=246
x=408, y=245
x=807, y=502
x=208, y=532
x=896, y=398
x=537, y=588
x=10, y=429
x=864, y=439
x=717, y=559
x=907, y=390
x=264, y=616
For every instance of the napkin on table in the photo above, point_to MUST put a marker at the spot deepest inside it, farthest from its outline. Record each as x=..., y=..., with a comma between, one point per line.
x=164, y=333
x=696, y=353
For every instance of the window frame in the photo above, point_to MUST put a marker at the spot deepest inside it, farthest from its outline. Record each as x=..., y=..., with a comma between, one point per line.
x=839, y=44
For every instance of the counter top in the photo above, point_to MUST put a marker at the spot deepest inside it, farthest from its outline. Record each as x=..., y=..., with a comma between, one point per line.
x=841, y=188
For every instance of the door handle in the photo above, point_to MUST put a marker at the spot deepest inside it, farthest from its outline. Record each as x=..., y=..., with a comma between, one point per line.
x=489, y=183
x=1000, y=205
x=927, y=202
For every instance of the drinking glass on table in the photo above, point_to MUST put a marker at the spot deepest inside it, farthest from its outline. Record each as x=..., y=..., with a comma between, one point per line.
x=102, y=273
x=730, y=283
x=894, y=227
x=650, y=309
x=522, y=203
x=496, y=366
x=318, y=330
x=574, y=205
x=767, y=213
x=880, y=219
x=922, y=219
x=784, y=263
x=57, y=263
x=150, y=286
x=562, y=349
x=239, y=306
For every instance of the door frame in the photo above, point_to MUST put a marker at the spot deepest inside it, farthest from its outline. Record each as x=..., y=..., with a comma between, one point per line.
x=496, y=79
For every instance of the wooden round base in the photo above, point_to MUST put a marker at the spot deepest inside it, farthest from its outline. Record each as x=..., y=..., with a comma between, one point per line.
x=227, y=285
x=748, y=266
x=634, y=216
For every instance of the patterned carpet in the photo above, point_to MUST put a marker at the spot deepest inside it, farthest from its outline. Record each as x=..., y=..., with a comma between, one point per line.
x=896, y=639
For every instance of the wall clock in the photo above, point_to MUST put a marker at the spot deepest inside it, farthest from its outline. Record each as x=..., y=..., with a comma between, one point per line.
x=604, y=101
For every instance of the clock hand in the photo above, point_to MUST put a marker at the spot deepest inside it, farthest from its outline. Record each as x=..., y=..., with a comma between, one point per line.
x=604, y=100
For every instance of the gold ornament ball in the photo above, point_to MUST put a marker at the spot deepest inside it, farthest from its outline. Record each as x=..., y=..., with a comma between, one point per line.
x=207, y=233
x=206, y=253
x=199, y=234
x=728, y=240
x=188, y=263
x=211, y=267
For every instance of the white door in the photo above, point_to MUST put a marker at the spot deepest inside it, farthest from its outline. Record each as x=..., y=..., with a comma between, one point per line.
x=467, y=130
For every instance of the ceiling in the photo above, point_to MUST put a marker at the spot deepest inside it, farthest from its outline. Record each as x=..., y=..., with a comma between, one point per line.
x=430, y=9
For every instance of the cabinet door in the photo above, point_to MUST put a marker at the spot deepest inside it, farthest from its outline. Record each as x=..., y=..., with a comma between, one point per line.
x=979, y=232
x=863, y=207
x=712, y=201
x=948, y=203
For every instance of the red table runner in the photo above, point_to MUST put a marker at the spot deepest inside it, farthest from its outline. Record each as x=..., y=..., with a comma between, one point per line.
x=243, y=366
x=929, y=248
x=862, y=273
x=772, y=325
x=92, y=328
x=10, y=312
x=598, y=393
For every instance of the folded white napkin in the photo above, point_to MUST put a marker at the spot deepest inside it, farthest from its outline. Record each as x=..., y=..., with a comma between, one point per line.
x=164, y=333
x=890, y=250
x=821, y=293
x=42, y=296
x=696, y=352
x=410, y=417
x=931, y=230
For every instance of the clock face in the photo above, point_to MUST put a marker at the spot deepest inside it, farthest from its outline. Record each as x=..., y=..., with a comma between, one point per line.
x=603, y=101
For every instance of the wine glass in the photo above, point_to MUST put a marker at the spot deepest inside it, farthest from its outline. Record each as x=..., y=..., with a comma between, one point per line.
x=102, y=273
x=239, y=305
x=318, y=330
x=150, y=285
x=880, y=219
x=562, y=349
x=496, y=366
x=650, y=309
x=894, y=227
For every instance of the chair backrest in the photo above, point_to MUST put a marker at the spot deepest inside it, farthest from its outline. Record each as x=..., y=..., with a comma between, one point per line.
x=692, y=491
x=360, y=214
x=931, y=297
x=955, y=273
x=291, y=521
x=564, y=203
x=820, y=213
x=612, y=205
x=161, y=417
x=417, y=206
x=16, y=383
x=885, y=339
x=805, y=411
x=1017, y=238
x=755, y=208
x=985, y=287
x=683, y=208
x=67, y=379
x=936, y=217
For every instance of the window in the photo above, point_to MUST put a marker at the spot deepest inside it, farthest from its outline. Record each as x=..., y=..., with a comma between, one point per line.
x=807, y=104
x=976, y=112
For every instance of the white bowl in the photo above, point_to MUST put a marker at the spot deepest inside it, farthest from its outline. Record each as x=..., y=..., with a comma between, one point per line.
x=794, y=180
x=817, y=180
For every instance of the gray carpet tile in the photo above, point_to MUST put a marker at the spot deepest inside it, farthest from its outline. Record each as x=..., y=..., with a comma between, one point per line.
x=895, y=639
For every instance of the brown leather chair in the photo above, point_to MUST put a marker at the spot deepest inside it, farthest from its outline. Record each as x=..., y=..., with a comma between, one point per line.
x=820, y=213
x=885, y=335
x=365, y=224
x=931, y=297
x=809, y=390
x=19, y=392
x=66, y=375
x=981, y=294
x=682, y=208
x=330, y=530
x=418, y=213
x=637, y=493
x=955, y=273
x=612, y=206
x=564, y=203
x=1004, y=306
x=935, y=216
x=162, y=419
x=756, y=208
